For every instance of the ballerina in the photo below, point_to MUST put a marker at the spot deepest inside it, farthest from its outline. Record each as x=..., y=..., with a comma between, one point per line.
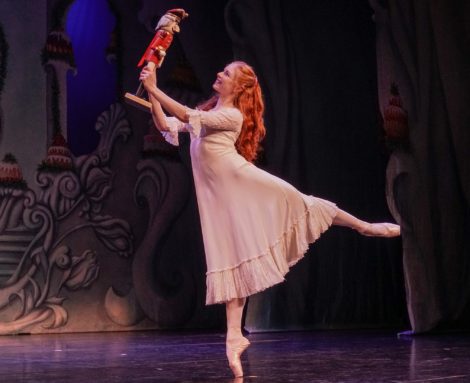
x=255, y=226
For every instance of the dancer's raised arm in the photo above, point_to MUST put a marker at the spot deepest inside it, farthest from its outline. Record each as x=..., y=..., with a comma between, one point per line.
x=149, y=79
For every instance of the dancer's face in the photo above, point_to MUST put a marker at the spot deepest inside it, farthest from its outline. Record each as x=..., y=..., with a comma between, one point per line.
x=225, y=81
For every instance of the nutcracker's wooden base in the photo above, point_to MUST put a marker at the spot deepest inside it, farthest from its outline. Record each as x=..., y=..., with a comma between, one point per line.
x=138, y=102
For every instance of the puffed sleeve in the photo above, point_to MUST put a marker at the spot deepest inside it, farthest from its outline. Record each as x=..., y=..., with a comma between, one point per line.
x=222, y=119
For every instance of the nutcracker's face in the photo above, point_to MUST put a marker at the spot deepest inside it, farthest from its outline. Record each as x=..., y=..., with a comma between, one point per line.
x=168, y=22
x=225, y=81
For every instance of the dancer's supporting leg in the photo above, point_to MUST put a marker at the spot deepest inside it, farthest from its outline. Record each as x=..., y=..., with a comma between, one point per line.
x=383, y=229
x=236, y=342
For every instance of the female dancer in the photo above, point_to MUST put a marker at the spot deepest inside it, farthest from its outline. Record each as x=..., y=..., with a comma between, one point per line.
x=255, y=226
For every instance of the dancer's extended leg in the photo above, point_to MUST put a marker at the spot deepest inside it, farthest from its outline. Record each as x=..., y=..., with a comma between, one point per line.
x=236, y=342
x=383, y=229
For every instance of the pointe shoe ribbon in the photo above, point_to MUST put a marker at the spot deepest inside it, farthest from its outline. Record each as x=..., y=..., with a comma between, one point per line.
x=384, y=229
x=233, y=355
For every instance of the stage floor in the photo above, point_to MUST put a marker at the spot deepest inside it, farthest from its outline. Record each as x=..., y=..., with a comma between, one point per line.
x=322, y=356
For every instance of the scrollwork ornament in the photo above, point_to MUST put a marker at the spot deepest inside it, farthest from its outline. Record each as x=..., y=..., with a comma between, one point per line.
x=61, y=192
x=112, y=125
x=44, y=227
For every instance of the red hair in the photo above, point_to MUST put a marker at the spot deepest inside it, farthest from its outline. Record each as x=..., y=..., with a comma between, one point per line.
x=249, y=100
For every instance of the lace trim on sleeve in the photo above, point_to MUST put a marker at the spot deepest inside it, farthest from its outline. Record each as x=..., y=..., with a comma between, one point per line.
x=174, y=126
x=194, y=125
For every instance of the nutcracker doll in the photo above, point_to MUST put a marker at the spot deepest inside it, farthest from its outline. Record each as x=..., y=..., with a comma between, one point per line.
x=155, y=53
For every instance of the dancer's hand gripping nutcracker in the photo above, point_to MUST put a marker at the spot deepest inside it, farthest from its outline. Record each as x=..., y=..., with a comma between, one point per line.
x=155, y=53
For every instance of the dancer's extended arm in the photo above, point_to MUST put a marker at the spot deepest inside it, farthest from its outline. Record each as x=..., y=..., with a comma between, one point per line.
x=158, y=116
x=149, y=79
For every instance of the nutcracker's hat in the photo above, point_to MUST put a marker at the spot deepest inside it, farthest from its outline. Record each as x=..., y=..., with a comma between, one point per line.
x=180, y=13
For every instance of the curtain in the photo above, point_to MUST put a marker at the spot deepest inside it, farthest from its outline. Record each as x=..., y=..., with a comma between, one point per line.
x=317, y=67
x=424, y=47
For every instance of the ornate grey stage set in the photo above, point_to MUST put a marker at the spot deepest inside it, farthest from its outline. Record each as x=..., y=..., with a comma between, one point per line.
x=84, y=240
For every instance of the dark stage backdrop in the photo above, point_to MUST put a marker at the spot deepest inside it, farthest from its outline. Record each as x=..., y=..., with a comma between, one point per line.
x=317, y=65
x=424, y=47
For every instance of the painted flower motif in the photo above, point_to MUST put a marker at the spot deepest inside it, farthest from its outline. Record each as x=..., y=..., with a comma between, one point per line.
x=98, y=183
x=84, y=271
x=114, y=233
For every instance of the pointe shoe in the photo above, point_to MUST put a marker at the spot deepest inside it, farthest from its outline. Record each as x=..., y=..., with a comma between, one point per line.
x=234, y=352
x=384, y=229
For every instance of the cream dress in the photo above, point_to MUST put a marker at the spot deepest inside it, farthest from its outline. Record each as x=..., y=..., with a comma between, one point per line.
x=255, y=226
